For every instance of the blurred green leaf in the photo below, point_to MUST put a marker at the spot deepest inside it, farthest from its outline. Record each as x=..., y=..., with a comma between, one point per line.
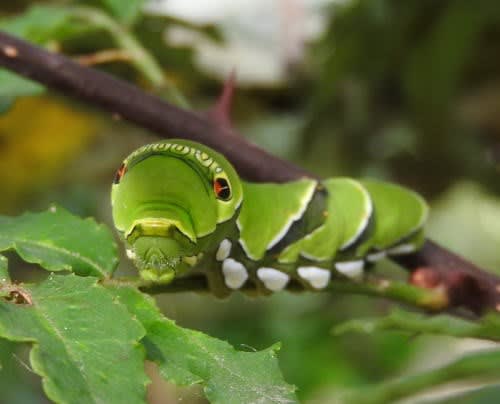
x=12, y=85
x=4, y=270
x=488, y=327
x=57, y=240
x=187, y=357
x=43, y=24
x=448, y=44
x=85, y=345
x=126, y=11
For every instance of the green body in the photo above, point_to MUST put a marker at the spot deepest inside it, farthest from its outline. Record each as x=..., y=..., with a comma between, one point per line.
x=182, y=210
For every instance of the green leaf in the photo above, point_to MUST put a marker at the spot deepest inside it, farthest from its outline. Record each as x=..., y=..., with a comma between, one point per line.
x=57, y=240
x=12, y=85
x=187, y=357
x=85, y=344
x=488, y=327
x=14, y=375
x=43, y=24
x=126, y=11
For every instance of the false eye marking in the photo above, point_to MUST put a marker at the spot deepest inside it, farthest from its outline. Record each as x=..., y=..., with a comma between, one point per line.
x=318, y=278
x=222, y=189
x=273, y=279
x=120, y=173
x=224, y=250
x=235, y=274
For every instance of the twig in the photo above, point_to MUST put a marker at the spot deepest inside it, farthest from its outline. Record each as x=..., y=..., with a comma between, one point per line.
x=104, y=56
x=139, y=56
x=464, y=284
x=479, y=366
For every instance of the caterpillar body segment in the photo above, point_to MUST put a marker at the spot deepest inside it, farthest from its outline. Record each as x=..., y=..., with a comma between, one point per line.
x=181, y=209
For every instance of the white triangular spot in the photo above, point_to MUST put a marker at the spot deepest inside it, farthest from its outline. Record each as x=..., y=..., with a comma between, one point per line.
x=351, y=269
x=235, y=274
x=224, y=250
x=402, y=249
x=317, y=277
x=130, y=253
x=272, y=278
x=374, y=257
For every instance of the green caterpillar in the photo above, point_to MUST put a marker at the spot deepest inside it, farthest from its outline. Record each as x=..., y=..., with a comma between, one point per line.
x=182, y=210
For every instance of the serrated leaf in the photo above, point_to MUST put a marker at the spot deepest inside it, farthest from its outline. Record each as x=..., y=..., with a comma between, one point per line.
x=187, y=357
x=85, y=343
x=126, y=11
x=58, y=240
x=488, y=327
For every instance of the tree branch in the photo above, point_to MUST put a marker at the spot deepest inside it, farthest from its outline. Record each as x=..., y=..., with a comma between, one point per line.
x=465, y=285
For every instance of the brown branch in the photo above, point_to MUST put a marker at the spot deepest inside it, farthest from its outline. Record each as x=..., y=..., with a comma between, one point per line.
x=433, y=267
x=129, y=102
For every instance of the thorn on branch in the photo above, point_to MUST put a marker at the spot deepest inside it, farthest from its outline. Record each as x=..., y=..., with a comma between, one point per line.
x=220, y=113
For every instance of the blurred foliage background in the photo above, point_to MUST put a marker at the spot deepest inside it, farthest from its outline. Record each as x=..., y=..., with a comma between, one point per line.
x=405, y=91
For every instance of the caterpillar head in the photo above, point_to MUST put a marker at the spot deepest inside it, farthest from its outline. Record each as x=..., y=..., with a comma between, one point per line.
x=168, y=195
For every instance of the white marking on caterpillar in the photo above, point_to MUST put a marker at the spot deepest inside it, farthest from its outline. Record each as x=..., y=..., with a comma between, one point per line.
x=309, y=256
x=402, y=249
x=317, y=277
x=130, y=253
x=273, y=279
x=364, y=223
x=374, y=257
x=235, y=274
x=304, y=202
x=204, y=159
x=242, y=242
x=351, y=269
x=224, y=250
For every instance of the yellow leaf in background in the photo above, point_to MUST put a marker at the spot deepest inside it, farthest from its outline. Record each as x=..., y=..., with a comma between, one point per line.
x=38, y=138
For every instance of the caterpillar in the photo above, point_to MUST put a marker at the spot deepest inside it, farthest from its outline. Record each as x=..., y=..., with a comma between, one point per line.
x=182, y=210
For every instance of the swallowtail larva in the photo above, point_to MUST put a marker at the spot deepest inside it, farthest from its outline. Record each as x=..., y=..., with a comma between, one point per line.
x=182, y=210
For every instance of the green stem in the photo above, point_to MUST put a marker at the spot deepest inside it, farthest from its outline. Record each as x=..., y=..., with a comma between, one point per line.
x=425, y=299
x=141, y=58
x=477, y=366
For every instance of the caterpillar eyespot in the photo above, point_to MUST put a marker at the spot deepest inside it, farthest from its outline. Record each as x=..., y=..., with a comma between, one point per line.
x=167, y=214
x=222, y=189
